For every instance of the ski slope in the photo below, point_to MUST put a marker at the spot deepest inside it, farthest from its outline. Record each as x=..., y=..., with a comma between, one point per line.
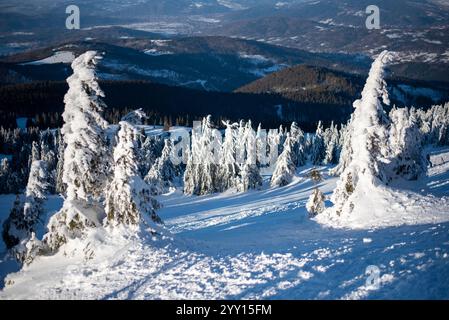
x=254, y=245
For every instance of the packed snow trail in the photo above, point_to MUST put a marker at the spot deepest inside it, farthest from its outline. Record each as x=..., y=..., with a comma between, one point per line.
x=255, y=245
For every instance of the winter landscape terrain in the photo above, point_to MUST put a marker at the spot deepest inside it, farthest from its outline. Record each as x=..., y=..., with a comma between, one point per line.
x=234, y=149
x=264, y=237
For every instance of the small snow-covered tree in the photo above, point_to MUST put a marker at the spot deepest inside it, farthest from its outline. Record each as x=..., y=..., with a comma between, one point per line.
x=273, y=141
x=299, y=151
x=86, y=156
x=285, y=166
x=59, y=183
x=128, y=197
x=250, y=174
x=315, y=205
x=318, y=151
x=26, y=213
x=190, y=179
x=367, y=137
x=228, y=169
x=163, y=172
x=331, y=141
x=202, y=172
x=406, y=145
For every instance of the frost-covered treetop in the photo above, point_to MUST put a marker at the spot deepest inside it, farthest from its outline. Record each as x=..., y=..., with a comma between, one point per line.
x=84, y=71
x=375, y=86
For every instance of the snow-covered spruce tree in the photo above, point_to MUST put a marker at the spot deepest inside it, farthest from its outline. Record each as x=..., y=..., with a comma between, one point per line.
x=332, y=145
x=318, y=151
x=285, y=166
x=128, y=197
x=207, y=164
x=315, y=205
x=49, y=156
x=407, y=160
x=150, y=150
x=250, y=174
x=368, y=142
x=25, y=214
x=299, y=145
x=228, y=170
x=86, y=156
x=60, y=186
x=190, y=178
x=273, y=140
x=163, y=172
x=261, y=147
x=201, y=175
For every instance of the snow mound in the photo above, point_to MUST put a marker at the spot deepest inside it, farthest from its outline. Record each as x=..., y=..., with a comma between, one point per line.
x=380, y=208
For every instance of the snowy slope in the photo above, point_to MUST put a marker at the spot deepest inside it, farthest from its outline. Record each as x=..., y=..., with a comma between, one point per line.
x=259, y=244
x=57, y=57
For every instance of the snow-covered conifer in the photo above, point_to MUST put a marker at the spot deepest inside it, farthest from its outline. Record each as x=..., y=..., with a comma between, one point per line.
x=250, y=174
x=86, y=156
x=26, y=213
x=163, y=172
x=367, y=139
x=406, y=145
x=318, y=151
x=299, y=145
x=285, y=166
x=315, y=205
x=128, y=197
x=228, y=169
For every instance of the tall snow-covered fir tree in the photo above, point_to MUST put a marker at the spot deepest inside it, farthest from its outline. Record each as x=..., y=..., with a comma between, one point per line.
x=285, y=166
x=86, y=156
x=128, y=197
x=367, y=139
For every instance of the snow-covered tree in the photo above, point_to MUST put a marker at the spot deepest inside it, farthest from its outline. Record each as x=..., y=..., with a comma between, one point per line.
x=299, y=145
x=228, y=169
x=163, y=172
x=367, y=139
x=190, y=178
x=273, y=141
x=318, y=152
x=128, y=197
x=406, y=145
x=26, y=213
x=201, y=175
x=315, y=205
x=285, y=166
x=86, y=155
x=331, y=141
x=250, y=174
x=59, y=183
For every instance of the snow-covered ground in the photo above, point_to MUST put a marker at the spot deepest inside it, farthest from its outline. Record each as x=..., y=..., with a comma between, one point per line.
x=259, y=244
x=57, y=57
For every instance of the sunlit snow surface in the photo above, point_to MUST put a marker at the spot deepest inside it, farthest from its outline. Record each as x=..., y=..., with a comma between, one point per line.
x=259, y=244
